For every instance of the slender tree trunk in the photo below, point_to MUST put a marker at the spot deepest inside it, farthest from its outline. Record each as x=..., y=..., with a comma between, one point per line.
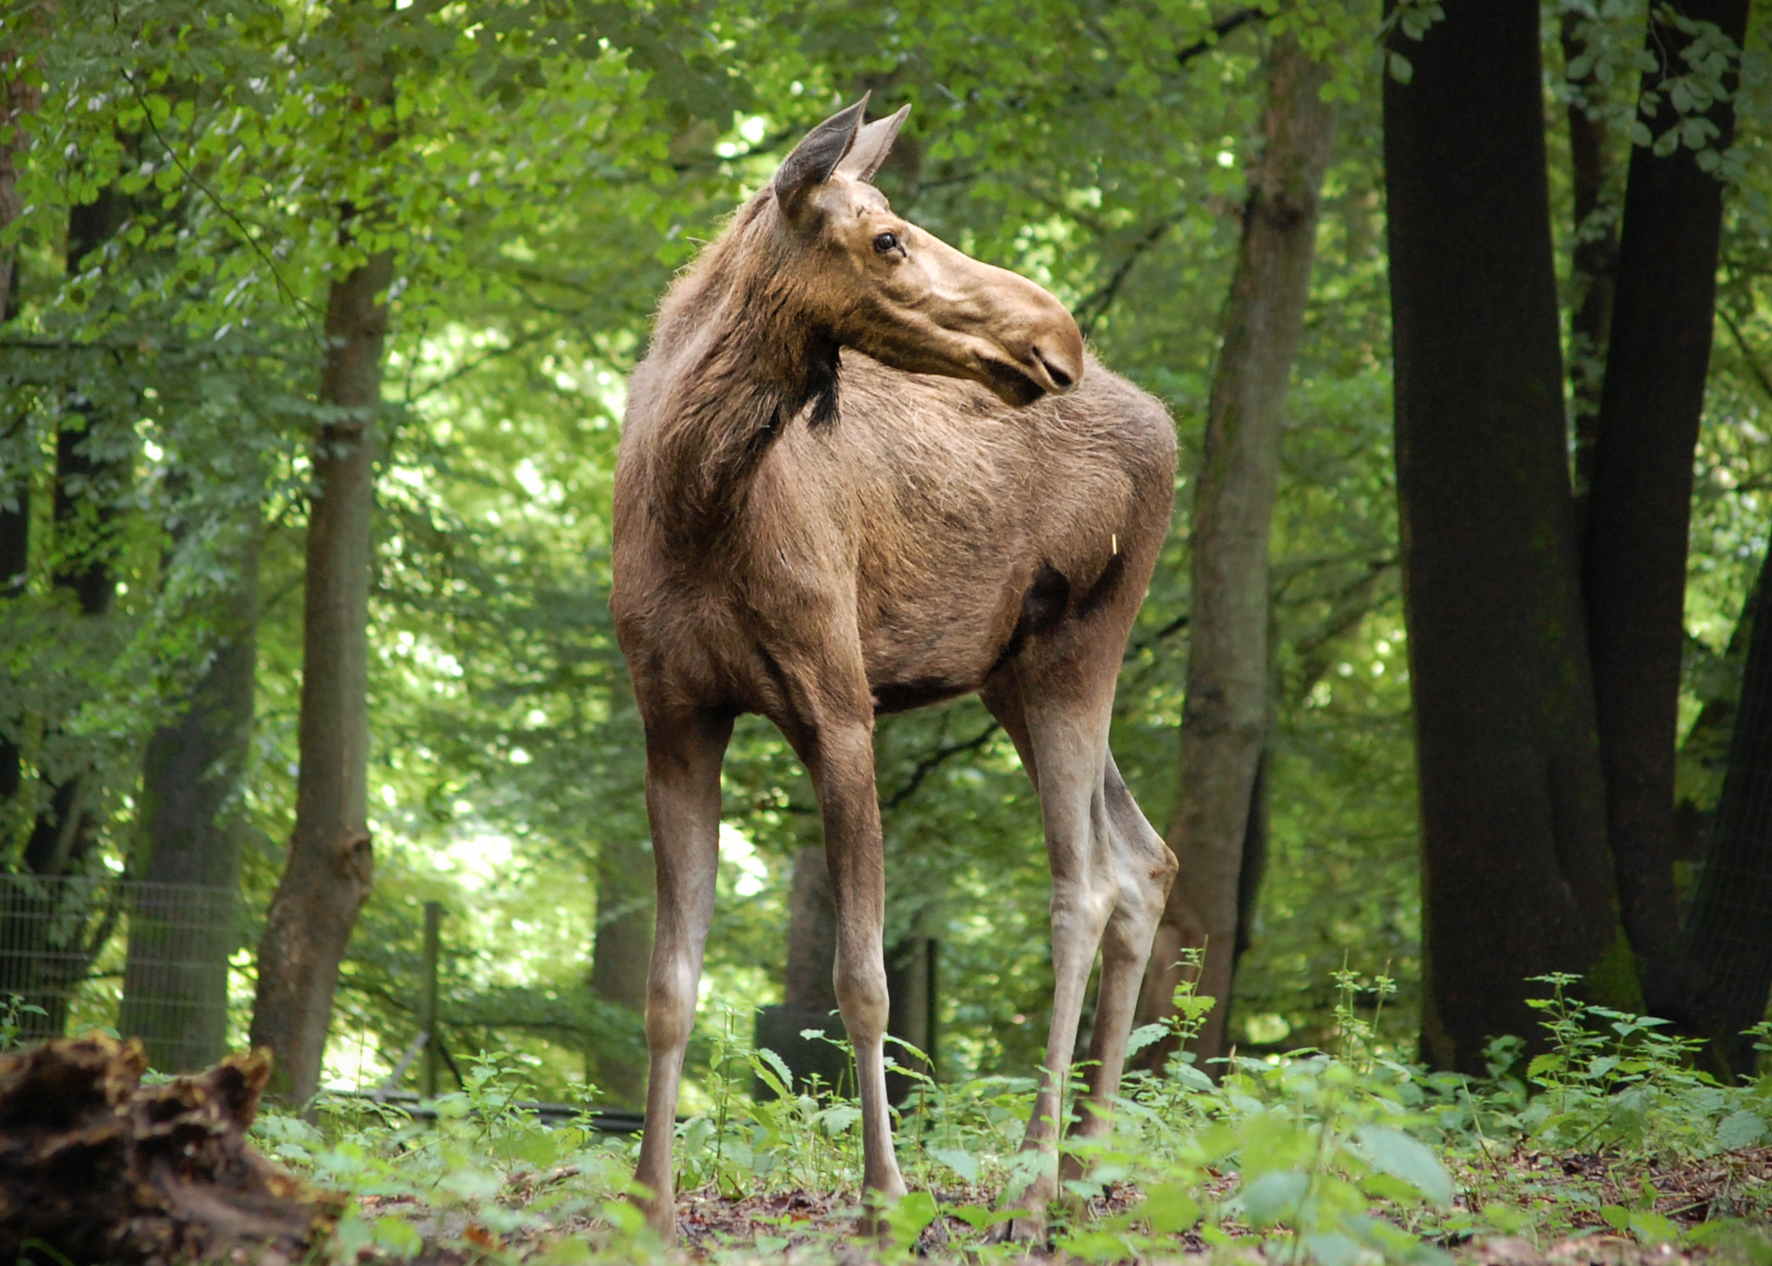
x=620, y=962
x=1639, y=507
x=1729, y=931
x=1595, y=255
x=809, y=993
x=330, y=865
x=1225, y=717
x=19, y=96
x=1517, y=879
x=45, y=932
x=175, y=979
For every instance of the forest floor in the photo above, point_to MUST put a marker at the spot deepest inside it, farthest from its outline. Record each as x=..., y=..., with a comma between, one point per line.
x=1610, y=1148
x=1557, y=1198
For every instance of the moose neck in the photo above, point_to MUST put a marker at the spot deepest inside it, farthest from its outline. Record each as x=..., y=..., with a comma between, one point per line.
x=746, y=371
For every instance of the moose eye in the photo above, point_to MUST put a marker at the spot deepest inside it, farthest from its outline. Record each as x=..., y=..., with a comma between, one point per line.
x=886, y=243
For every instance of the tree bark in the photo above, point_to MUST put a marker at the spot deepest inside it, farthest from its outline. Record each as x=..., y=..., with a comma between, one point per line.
x=1517, y=879
x=175, y=979
x=621, y=959
x=330, y=865
x=1639, y=507
x=1595, y=257
x=1728, y=931
x=1225, y=716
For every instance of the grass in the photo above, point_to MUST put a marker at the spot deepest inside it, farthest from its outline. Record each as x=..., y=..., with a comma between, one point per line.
x=1608, y=1144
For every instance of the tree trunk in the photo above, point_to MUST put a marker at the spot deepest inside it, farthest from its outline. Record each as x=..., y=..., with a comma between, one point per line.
x=330, y=865
x=809, y=995
x=175, y=980
x=1517, y=879
x=1728, y=930
x=19, y=96
x=623, y=953
x=912, y=975
x=44, y=931
x=1639, y=507
x=1225, y=716
x=1595, y=255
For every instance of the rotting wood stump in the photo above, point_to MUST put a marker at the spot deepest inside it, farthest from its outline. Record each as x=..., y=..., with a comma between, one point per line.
x=99, y=1168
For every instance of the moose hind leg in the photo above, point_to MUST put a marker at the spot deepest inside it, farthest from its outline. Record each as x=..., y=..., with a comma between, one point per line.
x=683, y=758
x=1067, y=732
x=1143, y=868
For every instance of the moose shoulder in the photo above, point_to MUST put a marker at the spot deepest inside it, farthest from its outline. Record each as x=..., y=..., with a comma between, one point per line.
x=862, y=472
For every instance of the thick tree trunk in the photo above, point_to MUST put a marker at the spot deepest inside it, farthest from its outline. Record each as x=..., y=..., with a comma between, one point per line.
x=330, y=866
x=621, y=959
x=1729, y=929
x=1517, y=879
x=1639, y=507
x=1225, y=717
x=1595, y=255
x=175, y=980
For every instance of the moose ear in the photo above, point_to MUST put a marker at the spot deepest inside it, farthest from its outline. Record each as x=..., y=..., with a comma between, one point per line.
x=816, y=157
x=872, y=144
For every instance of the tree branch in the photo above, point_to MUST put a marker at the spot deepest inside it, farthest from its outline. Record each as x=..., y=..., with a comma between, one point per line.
x=930, y=763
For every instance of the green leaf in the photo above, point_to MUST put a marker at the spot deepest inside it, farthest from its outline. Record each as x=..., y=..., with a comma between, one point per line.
x=965, y=1164
x=1616, y=1216
x=1145, y=1035
x=1170, y=1207
x=398, y=1236
x=1274, y=1196
x=908, y=1217
x=1401, y=69
x=1545, y=1065
x=973, y=1216
x=774, y=1072
x=1653, y=1228
x=1332, y=1249
x=1740, y=1129
x=1402, y=1157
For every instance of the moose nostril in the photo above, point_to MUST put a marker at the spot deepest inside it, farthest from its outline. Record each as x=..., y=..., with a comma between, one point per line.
x=1060, y=379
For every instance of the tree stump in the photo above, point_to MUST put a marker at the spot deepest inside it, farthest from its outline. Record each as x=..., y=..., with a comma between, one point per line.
x=96, y=1167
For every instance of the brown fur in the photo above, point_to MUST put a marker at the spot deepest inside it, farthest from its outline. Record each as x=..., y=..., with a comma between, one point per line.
x=813, y=536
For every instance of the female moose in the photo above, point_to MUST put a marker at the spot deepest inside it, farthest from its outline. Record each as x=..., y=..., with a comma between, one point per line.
x=862, y=472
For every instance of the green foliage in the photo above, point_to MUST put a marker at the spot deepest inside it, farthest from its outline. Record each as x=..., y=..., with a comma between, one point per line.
x=1322, y=1157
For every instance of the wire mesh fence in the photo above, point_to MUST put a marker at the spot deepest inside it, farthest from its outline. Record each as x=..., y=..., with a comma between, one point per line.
x=148, y=959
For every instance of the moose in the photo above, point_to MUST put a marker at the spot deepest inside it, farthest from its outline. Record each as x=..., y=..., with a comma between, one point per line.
x=862, y=472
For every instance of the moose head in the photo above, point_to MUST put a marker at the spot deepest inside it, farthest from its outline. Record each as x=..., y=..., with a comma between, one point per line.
x=898, y=293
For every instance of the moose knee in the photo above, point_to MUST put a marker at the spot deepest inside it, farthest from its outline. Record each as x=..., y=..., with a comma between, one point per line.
x=861, y=992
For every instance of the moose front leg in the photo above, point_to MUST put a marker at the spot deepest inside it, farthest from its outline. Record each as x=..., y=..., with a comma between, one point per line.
x=683, y=755
x=841, y=761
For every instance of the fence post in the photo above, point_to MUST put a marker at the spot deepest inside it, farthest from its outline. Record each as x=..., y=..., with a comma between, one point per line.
x=427, y=1001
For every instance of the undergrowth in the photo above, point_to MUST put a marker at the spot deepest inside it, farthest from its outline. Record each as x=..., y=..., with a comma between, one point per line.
x=1334, y=1157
